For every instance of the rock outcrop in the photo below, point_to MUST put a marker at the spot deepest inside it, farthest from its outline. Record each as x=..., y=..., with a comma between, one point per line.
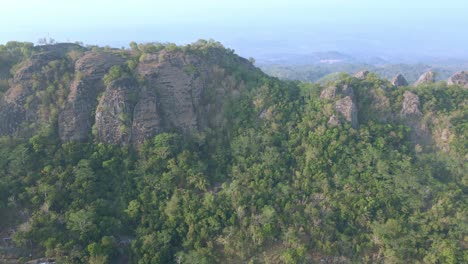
x=426, y=78
x=166, y=90
x=361, y=74
x=399, y=80
x=333, y=121
x=344, y=104
x=459, y=78
x=19, y=108
x=347, y=108
x=411, y=104
x=76, y=119
x=113, y=121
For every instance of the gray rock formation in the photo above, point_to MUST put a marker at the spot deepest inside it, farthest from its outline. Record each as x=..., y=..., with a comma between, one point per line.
x=361, y=74
x=19, y=108
x=328, y=93
x=345, y=104
x=332, y=92
x=459, y=78
x=399, y=80
x=426, y=78
x=114, y=112
x=76, y=119
x=347, y=108
x=146, y=117
x=176, y=90
x=410, y=106
x=334, y=121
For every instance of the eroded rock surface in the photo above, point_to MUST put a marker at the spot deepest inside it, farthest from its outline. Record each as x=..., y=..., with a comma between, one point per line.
x=426, y=78
x=345, y=104
x=76, y=119
x=399, y=80
x=411, y=105
x=114, y=112
x=459, y=78
x=347, y=108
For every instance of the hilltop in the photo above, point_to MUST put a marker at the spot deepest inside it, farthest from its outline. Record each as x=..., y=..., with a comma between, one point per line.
x=190, y=154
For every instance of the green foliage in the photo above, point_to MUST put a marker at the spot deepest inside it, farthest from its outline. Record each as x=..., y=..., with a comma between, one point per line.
x=115, y=72
x=276, y=184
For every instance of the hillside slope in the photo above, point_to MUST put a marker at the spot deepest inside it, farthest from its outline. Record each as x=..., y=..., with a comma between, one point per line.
x=168, y=154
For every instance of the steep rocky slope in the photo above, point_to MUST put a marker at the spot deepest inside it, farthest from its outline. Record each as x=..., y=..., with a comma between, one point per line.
x=165, y=90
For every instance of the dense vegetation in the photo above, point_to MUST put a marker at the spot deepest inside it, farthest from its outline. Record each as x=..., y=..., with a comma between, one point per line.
x=278, y=185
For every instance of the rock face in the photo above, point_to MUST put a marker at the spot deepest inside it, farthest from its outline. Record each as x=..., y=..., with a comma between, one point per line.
x=399, y=80
x=179, y=91
x=361, y=74
x=166, y=90
x=20, y=105
x=147, y=120
x=410, y=106
x=426, y=78
x=347, y=108
x=113, y=121
x=345, y=104
x=459, y=78
x=76, y=119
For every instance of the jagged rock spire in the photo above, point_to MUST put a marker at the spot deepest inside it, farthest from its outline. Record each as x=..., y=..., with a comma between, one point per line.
x=426, y=78
x=399, y=80
x=459, y=78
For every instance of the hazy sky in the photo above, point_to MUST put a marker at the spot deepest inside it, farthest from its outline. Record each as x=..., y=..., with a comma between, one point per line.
x=251, y=27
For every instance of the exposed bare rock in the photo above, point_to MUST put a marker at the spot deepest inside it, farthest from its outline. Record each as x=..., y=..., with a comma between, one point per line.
x=426, y=78
x=332, y=92
x=76, y=120
x=169, y=90
x=146, y=118
x=411, y=105
x=347, y=108
x=459, y=78
x=344, y=104
x=399, y=80
x=114, y=112
x=334, y=121
x=179, y=91
x=20, y=104
x=361, y=74
x=328, y=93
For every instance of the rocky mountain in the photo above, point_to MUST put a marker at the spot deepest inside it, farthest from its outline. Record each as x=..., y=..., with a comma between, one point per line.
x=190, y=154
x=164, y=90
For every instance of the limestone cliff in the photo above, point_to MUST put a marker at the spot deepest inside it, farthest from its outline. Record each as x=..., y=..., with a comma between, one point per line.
x=166, y=90
x=76, y=120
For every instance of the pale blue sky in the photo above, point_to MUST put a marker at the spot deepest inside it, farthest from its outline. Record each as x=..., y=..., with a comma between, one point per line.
x=249, y=26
